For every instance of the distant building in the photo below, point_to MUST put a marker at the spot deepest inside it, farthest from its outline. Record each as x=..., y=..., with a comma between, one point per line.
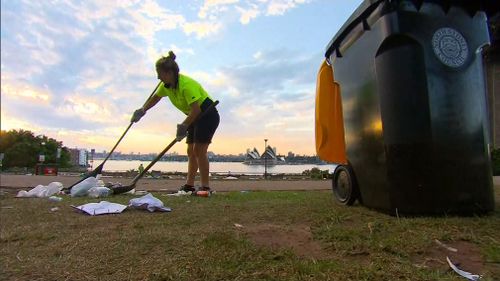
x=253, y=154
x=269, y=157
x=78, y=157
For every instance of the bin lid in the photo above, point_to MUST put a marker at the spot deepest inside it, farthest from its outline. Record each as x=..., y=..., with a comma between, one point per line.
x=369, y=7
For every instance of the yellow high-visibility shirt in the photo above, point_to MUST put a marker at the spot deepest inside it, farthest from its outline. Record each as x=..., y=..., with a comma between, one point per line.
x=187, y=92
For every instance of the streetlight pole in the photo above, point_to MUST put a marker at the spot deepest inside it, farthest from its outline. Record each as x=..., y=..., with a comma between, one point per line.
x=41, y=159
x=58, y=157
x=265, y=159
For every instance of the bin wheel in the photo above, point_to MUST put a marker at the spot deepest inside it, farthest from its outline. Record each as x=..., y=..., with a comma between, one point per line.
x=344, y=186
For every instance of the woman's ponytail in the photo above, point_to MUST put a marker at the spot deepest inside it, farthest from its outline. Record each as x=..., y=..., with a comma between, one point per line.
x=168, y=64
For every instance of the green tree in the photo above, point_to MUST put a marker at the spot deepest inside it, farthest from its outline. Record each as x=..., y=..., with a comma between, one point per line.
x=22, y=148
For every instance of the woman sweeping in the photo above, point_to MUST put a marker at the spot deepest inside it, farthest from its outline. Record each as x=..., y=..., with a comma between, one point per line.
x=188, y=96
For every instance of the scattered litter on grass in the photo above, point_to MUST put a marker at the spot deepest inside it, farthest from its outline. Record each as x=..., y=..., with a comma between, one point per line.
x=370, y=227
x=237, y=225
x=101, y=208
x=55, y=199
x=141, y=192
x=451, y=249
x=55, y=209
x=82, y=188
x=202, y=193
x=230, y=178
x=245, y=191
x=148, y=202
x=7, y=207
x=465, y=274
x=99, y=191
x=180, y=193
x=42, y=190
x=113, y=184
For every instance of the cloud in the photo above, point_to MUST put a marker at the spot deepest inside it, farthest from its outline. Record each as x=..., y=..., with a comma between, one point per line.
x=249, y=10
x=271, y=94
x=25, y=93
x=201, y=28
x=213, y=7
x=272, y=71
x=280, y=7
x=248, y=14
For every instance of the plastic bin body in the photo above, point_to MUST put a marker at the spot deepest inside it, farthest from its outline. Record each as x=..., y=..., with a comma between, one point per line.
x=414, y=107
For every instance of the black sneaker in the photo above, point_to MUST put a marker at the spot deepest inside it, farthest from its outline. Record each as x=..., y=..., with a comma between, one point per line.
x=205, y=188
x=187, y=188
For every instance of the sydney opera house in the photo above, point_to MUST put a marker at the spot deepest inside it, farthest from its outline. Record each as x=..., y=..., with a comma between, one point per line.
x=269, y=157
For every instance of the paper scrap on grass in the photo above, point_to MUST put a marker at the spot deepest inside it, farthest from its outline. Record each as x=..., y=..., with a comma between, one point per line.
x=462, y=273
x=148, y=202
x=101, y=208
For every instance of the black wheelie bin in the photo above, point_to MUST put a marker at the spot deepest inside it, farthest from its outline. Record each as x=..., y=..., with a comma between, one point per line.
x=401, y=106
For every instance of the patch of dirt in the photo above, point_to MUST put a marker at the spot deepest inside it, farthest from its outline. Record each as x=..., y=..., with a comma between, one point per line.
x=298, y=238
x=467, y=257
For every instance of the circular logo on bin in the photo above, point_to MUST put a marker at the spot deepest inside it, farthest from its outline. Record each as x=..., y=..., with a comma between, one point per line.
x=450, y=47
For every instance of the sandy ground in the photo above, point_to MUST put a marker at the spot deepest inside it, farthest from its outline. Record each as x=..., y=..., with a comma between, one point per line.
x=28, y=182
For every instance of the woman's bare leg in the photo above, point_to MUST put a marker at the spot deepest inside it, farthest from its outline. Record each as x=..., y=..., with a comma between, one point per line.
x=192, y=165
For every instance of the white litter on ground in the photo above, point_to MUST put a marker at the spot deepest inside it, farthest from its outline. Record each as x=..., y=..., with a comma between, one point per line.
x=101, y=208
x=99, y=191
x=451, y=249
x=42, y=190
x=468, y=275
x=82, y=188
x=180, y=193
x=55, y=199
x=148, y=202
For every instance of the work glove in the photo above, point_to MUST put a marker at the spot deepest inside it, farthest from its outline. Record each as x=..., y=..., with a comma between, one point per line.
x=181, y=131
x=138, y=115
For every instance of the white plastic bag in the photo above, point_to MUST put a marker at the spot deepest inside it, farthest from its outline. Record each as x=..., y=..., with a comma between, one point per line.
x=99, y=191
x=42, y=190
x=53, y=188
x=148, y=202
x=82, y=188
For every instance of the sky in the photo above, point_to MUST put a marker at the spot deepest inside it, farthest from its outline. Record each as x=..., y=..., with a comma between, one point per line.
x=75, y=71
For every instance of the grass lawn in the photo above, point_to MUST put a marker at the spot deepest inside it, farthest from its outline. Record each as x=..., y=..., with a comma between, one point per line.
x=239, y=236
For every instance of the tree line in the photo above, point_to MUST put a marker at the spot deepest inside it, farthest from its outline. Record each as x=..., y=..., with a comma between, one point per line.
x=21, y=148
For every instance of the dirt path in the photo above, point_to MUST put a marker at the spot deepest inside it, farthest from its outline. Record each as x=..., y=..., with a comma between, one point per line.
x=25, y=182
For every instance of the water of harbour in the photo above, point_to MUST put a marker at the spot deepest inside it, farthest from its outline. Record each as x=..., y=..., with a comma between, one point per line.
x=215, y=167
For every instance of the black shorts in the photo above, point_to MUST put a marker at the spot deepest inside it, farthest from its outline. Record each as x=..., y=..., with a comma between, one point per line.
x=205, y=129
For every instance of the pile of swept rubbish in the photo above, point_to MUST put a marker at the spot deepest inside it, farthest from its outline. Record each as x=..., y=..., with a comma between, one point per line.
x=94, y=187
